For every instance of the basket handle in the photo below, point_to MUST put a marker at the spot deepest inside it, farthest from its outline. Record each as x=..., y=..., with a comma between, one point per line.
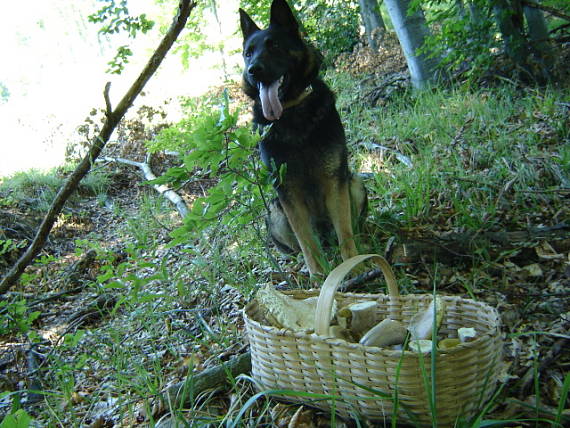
x=333, y=281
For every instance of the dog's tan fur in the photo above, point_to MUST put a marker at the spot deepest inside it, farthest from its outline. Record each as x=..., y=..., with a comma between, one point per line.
x=317, y=192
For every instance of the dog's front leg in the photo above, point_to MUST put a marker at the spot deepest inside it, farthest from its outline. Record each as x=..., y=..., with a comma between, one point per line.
x=337, y=200
x=300, y=220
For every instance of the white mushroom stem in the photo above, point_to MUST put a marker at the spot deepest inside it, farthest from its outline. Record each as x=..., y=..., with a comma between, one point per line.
x=422, y=323
x=466, y=334
x=357, y=317
x=421, y=346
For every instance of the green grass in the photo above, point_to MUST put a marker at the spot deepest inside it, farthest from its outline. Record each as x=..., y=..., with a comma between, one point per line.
x=477, y=154
x=38, y=188
x=482, y=159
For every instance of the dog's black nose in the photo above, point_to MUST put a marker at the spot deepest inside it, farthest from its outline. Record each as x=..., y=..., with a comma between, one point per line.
x=255, y=69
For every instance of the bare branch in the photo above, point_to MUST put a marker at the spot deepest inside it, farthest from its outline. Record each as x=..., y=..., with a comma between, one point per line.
x=108, y=99
x=98, y=143
x=168, y=193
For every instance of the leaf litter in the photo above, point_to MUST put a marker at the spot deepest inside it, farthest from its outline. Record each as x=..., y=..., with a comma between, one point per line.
x=104, y=360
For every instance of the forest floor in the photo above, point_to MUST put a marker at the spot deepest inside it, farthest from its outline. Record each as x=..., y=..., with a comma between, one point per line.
x=111, y=315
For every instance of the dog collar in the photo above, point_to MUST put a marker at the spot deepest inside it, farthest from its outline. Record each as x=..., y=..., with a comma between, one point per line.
x=308, y=90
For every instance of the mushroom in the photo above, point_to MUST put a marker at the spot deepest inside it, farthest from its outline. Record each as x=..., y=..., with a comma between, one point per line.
x=357, y=317
x=422, y=323
x=284, y=311
x=447, y=344
x=421, y=346
x=386, y=333
x=466, y=334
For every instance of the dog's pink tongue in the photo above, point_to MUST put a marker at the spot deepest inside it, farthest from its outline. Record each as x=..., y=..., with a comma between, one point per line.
x=270, y=103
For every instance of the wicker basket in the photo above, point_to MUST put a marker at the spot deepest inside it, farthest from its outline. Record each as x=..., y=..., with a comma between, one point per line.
x=349, y=373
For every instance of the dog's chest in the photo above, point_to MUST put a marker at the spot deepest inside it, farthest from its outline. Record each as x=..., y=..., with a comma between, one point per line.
x=278, y=148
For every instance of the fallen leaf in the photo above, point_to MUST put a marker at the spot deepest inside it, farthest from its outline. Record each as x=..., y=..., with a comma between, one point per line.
x=546, y=252
x=301, y=419
x=534, y=270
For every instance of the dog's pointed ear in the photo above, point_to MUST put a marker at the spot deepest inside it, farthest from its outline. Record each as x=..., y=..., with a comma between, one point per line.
x=248, y=27
x=282, y=16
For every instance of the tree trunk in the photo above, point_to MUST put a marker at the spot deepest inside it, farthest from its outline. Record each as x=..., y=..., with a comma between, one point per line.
x=112, y=120
x=372, y=19
x=475, y=13
x=537, y=29
x=460, y=7
x=220, y=45
x=412, y=31
x=510, y=20
x=538, y=33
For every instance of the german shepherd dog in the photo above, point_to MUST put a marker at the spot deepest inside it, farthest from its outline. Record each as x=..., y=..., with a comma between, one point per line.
x=316, y=192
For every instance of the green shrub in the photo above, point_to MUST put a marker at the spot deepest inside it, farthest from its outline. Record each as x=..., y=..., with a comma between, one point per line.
x=211, y=145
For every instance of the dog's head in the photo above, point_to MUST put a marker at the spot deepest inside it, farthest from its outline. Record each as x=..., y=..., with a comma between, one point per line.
x=279, y=65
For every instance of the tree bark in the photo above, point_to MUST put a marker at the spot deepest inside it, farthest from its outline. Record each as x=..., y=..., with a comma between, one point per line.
x=220, y=46
x=112, y=120
x=510, y=20
x=372, y=19
x=538, y=33
x=460, y=7
x=550, y=10
x=412, y=31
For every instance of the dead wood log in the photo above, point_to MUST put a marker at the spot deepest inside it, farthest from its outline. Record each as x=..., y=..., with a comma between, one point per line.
x=457, y=247
x=184, y=392
x=169, y=194
x=113, y=117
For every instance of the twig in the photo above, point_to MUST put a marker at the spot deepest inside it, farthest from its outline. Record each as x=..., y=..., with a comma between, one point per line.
x=56, y=296
x=98, y=143
x=561, y=190
x=108, y=99
x=361, y=279
x=34, y=382
x=168, y=193
x=561, y=27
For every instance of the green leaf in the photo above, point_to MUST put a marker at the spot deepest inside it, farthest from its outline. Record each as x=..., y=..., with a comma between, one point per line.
x=18, y=419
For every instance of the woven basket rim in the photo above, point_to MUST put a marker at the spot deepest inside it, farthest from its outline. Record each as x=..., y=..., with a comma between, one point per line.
x=494, y=320
x=306, y=361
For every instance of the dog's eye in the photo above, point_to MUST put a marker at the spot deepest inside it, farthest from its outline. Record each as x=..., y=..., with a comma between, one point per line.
x=249, y=52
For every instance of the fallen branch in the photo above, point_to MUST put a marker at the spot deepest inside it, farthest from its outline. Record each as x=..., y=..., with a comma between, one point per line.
x=184, y=392
x=168, y=193
x=455, y=247
x=112, y=120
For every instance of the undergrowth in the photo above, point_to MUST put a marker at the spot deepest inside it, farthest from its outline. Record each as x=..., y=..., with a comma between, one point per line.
x=38, y=188
x=445, y=160
x=480, y=159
